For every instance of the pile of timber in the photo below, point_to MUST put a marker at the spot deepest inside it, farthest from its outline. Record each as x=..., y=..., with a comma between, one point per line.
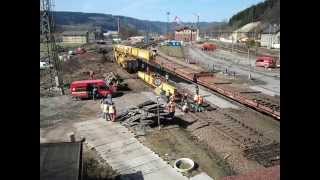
x=142, y=116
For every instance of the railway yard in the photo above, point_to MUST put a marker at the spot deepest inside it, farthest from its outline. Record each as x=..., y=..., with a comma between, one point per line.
x=238, y=132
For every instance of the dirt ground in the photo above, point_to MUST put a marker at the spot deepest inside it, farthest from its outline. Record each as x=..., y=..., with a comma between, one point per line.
x=172, y=143
x=59, y=113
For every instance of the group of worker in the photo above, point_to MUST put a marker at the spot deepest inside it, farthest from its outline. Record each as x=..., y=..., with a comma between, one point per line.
x=108, y=109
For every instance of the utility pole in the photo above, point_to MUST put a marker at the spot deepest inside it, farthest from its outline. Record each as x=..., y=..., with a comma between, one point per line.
x=269, y=44
x=168, y=13
x=158, y=112
x=249, y=63
x=118, y=24
x=232, y=43
x=47, y=29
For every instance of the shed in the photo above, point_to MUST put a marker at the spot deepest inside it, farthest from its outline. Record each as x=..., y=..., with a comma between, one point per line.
x=61, y=161
x=75, y=37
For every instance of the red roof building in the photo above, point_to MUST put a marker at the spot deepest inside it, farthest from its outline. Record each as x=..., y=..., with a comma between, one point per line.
x=186, y=34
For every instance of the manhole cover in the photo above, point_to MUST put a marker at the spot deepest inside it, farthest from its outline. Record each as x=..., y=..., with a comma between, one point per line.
x=184, y=164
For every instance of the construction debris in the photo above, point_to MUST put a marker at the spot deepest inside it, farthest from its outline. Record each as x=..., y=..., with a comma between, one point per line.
x=142, y=116
x=113, y=78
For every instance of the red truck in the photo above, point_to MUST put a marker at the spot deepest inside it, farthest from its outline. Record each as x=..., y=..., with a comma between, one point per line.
x=83, y=89
x=266, y=61
x=208, y=47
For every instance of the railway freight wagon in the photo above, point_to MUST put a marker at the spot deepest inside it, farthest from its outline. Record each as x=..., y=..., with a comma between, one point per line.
x=128, y=57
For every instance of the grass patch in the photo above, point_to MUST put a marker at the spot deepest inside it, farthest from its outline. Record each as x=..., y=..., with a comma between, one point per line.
x=172, y=51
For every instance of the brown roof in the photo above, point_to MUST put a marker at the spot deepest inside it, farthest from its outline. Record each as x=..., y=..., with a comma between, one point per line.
x=185, y=27
x=75, y=33
x=272, y=173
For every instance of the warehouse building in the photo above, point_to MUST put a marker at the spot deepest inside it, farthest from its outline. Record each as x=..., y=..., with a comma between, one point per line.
x=186, y=34
x=75, y=37
x=270, y=37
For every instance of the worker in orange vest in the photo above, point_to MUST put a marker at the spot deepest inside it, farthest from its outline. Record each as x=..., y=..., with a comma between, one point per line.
x=200, y=100
x=171, y=109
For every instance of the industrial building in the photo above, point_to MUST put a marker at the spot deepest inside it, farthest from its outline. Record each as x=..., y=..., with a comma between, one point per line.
x=75, y=37
x=270, y=37
x=186, y=34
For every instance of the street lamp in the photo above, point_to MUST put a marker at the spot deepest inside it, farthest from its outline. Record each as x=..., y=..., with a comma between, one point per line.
x=249, y=77
x=158, y=112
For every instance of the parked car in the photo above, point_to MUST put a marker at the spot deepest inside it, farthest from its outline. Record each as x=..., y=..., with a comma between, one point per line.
x=45, y=65
x=266, y=61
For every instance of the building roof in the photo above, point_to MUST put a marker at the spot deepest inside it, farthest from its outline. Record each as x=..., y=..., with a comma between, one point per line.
x=185, y=28
x=272, y=173
x=75, y=33
x=60, y=161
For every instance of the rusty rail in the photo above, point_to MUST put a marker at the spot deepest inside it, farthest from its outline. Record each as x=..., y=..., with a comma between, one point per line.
x=187, y=74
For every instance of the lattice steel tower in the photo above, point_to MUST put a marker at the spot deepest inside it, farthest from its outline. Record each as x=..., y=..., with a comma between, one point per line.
x=47, y=29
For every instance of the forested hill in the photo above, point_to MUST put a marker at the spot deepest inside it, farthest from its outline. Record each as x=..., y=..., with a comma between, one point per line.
x=267, y=11
x=79, y=20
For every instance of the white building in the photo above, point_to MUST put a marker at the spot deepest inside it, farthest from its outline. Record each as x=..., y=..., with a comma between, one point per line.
x=110, y=33
x=270, y=37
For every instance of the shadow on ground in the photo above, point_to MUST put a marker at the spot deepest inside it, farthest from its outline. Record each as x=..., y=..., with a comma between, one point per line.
x=170, y=122
x=134, y=176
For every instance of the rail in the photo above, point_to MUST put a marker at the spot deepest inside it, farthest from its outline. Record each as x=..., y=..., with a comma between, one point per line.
x=188, y=73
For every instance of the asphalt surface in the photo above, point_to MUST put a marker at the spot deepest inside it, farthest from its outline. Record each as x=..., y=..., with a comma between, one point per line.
x=271, y=80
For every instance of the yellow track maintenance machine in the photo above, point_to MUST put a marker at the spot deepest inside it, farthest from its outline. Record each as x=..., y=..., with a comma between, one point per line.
x=129, y=57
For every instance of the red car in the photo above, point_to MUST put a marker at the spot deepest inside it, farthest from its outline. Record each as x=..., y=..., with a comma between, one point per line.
x=208, y=47
x=266, y=61
x=83, y=89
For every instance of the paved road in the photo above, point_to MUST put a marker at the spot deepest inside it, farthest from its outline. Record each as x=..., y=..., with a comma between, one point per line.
x=271, y=79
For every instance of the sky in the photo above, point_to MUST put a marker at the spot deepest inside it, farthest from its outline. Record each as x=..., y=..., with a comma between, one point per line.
x=155, y=10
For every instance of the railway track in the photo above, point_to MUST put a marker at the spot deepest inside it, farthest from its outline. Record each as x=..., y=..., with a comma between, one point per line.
x=237, y=131
x=255, y=146
x=208, y=81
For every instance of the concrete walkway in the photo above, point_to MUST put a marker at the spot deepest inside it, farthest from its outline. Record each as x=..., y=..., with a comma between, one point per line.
x=124, y=153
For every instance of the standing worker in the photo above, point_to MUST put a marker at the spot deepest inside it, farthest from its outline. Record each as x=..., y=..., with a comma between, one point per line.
x=167, y=77
x=197, y=89
x=94, y=92
x=171, y=109
x=185, y=107
x=195, y=78
x=185, y=97
x=112, y=112
x=91, y=74
x=106, y=111
x=199, y=103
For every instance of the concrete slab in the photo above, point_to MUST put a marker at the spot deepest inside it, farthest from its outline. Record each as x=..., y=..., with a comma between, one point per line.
x=124, y=153
x=201, y=176
x=264, y=90
x=211, y=98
